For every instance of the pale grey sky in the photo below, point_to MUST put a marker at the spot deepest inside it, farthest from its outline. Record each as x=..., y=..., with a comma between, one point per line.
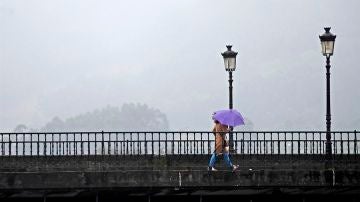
x=65, y=57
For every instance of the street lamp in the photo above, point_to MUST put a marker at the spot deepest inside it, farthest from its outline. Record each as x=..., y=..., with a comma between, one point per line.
x=327, y=46
x=230, y=66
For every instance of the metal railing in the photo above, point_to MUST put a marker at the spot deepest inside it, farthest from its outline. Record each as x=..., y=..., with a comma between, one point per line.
x=174, y=143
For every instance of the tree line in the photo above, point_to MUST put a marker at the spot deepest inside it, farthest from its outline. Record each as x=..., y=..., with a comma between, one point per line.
x=130, y=117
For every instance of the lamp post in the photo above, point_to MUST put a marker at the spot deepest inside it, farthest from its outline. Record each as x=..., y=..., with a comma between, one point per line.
x=327, y=46
x=230, y=66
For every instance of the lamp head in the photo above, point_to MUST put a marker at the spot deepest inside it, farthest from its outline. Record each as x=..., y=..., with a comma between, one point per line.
x=229, y=59
x=327, y=42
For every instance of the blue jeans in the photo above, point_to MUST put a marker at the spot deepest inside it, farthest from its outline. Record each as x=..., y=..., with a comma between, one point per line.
x=226, y=158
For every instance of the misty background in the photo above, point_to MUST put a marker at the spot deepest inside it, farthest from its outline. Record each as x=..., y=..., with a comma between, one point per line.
x=63, y=62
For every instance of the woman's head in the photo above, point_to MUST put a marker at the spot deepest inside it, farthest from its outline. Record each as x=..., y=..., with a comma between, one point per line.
x=216, y=121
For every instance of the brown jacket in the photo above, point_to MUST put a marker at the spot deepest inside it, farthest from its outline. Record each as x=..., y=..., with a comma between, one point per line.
x=220, y=131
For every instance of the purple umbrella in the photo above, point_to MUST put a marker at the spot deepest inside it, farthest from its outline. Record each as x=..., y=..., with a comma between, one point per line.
x=230, y=117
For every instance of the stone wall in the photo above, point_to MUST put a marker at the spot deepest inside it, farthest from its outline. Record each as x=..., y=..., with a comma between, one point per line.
x=174, y=171
x=175, y=162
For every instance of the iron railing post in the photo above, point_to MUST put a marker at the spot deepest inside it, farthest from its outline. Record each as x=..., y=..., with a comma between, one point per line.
x=355, y=143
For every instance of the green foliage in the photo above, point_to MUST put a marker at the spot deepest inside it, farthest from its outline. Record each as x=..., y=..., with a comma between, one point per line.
x=131, y=117
x=20, y=128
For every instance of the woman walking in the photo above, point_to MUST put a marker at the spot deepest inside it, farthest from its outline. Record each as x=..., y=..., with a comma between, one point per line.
x=221, y=146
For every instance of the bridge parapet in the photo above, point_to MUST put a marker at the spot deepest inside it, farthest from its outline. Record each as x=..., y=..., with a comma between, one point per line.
x=171, y=162
x=265, y=170
x=174, y=143
x=59, y=161
x=174, y=179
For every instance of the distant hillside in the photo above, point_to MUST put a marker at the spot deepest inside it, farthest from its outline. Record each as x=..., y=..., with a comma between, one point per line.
x=131, y=117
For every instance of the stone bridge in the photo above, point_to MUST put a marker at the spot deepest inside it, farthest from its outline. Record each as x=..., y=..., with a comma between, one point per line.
x=45, y=169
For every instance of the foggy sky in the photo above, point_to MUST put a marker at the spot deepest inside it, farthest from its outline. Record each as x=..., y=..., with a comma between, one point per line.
x=62, y=58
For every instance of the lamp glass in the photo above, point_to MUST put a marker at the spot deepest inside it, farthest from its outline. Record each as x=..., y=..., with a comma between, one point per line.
x=230, y=63
x=327, y=48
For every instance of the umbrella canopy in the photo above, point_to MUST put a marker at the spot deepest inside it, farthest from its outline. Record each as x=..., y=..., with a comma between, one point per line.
x=230, y=117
